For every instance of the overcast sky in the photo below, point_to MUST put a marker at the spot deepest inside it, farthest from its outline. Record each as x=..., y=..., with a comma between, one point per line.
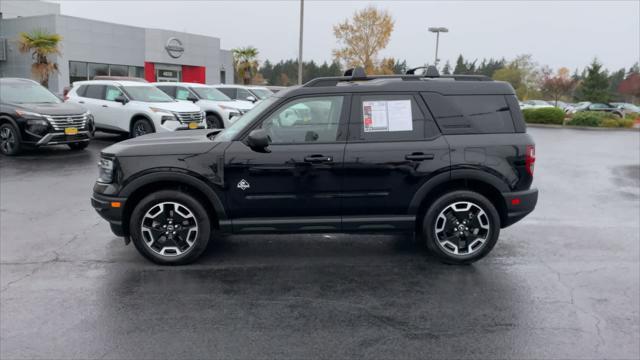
x=556, y=33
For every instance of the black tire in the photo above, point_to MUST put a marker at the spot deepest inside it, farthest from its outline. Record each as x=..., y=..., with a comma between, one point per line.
x=152, y=251
x=9, y=140
x=214, y=122
x=141, y=127
x=474, y=252
x=79, y=145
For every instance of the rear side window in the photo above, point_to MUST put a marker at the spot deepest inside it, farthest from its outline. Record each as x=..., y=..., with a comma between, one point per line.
x=94, y=91
x=388, y=117
x=471, y=114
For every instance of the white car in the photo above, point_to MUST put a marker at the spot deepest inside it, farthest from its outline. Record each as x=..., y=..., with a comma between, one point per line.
x=534, y=104
x=134, y=108
x=220, y=111
x=251, y=94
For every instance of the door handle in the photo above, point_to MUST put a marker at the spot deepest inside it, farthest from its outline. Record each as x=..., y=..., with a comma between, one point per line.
x=418, y=156
x=81, y=102
x=105, y=105
x=318, y=159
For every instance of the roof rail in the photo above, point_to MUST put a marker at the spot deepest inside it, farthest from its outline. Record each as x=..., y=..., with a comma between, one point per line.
x=358, y=74
x=431, y=71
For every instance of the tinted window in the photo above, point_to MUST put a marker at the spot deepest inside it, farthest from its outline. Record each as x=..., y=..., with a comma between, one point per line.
x=98, y=70
x=94, y=91
x=147, y=94
x=386, y=118
x=112, y=93
x=169, y=90
x=243, y=94
x=81, y=90
x=471, y=114
x=230, y=92
x=182, y=93
x=305, y=120
x=77, y=71
x=208, y=93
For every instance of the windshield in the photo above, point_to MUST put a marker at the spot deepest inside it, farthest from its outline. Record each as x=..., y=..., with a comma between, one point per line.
x=26, y=93
x=147, y=94
x=234, y=129
x=207, y=93
x=261, y=93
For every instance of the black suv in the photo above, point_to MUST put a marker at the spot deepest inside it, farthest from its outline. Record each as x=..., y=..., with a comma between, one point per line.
x=31, y=116
x=445, y=157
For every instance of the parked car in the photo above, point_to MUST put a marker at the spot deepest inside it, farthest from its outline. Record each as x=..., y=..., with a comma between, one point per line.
x=414, y=159
x=134, y=108
x=32, y=116
x=220, y=111
x=274, y=89
x=627, y=107
x=251, y=94
x=600, y=107
x=534, y=104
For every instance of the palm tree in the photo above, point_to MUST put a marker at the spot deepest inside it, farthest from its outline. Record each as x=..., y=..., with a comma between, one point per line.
x=41, y=44
x=246, y=63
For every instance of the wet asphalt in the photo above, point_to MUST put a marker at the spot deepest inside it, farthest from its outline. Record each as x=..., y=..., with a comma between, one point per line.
x=562, y=283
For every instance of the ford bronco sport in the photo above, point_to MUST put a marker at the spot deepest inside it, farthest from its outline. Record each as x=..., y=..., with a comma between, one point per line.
x=445, y=157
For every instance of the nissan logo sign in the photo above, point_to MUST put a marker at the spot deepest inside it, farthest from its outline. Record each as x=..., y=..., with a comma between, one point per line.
x=174, y=47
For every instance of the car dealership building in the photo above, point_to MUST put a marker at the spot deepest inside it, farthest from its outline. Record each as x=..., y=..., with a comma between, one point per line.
x=91, y=48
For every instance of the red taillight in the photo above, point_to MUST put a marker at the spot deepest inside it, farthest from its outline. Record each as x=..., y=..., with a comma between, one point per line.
x=530, y=158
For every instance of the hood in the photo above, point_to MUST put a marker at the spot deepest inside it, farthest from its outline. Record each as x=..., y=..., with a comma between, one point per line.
x=176, y=106
x=53, y=109
x=185, y=142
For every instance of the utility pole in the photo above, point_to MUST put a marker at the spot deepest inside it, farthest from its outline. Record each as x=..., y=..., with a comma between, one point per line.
x=300, y=43
x=437, y=30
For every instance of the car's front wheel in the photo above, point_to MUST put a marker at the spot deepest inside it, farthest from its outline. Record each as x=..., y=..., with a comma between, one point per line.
x=9, y=140
x=141, y=127
x=214, y=122
x=170, y=227
x=461, y=227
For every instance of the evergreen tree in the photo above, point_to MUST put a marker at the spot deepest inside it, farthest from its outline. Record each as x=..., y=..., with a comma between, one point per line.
x=595, y=86
x=446, y=70
x=461, y=67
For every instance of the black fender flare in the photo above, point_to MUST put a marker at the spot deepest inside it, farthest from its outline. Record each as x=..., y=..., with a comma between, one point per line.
x=458, y=174
x=140, y=115
x=13, y=122
x=177, y=177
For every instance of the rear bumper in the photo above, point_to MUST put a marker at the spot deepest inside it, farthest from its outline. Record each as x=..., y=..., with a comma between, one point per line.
x=104, y=206
x=519, y=204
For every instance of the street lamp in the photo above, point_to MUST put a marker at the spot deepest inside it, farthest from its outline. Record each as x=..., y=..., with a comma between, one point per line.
x=438, y=30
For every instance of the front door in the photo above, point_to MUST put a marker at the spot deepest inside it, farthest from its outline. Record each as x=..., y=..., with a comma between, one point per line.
x=297, y=184
x=394, y=147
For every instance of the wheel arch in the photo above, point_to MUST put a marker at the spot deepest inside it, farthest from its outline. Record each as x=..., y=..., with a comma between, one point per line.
x=137, y=189
x=483, y=183
x=6, y=119
x=216, y=114
x=140, y=116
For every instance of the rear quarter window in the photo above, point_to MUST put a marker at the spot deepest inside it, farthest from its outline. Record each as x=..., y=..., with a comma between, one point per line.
x=471, y=114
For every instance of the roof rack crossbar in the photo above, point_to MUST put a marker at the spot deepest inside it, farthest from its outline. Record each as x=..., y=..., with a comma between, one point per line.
x=352, y=75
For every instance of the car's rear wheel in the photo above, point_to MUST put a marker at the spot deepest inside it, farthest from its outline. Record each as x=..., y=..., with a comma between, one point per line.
x=461, y=227
x=170, y=227
x=79, y=145
x=141, y=127
x=9, y=140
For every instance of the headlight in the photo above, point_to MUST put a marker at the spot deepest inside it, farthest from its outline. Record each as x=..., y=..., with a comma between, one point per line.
x=105, y=171
x=37, y=122
x=161, y=111
x=23, y=113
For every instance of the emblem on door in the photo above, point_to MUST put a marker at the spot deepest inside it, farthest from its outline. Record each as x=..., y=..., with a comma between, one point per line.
x=243, y=185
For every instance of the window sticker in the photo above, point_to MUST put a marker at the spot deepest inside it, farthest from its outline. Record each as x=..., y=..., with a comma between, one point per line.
x=387, y=115
x=112, y=94
x=182, y=94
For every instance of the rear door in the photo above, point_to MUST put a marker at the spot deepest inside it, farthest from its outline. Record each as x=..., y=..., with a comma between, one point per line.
x=296, y=185
x=92, y=100
x=393, y=147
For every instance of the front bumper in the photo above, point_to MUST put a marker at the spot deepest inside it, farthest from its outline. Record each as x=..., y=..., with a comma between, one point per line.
x=519, y=204
x=107, y=209
x=57, y=138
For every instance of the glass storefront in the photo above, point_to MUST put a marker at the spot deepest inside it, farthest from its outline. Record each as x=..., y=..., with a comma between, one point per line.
x=80, y=70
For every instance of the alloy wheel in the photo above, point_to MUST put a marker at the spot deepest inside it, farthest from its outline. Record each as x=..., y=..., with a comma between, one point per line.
x=169, y=229
x=462, y=228
x=140, y=129
x=7, y=140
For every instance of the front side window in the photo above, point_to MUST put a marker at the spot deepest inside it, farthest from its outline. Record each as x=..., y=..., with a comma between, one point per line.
x=147, y=94
x=208, y=93
x=305, y=120
x=169, y=90
x=243, y=94
x=26, y=93
x=261, y=93
x=245, y=120
x=230, y=92
x=112, y=93
x=182, y=93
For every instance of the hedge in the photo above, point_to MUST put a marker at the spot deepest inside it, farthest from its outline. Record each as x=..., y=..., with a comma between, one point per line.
x=551, y=115
x=600, y=119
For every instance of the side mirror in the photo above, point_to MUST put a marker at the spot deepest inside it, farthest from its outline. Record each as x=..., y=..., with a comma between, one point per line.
x=258, y=140
x=192, y=99
x=121, y=99
x=252, y=99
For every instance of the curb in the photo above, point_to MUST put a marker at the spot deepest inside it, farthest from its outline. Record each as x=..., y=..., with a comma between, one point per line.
x=589, y=128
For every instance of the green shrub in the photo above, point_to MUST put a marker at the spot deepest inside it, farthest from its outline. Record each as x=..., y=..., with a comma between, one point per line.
x=550, y=115
x=587, y=118
x=632, y=116
x=610, y=123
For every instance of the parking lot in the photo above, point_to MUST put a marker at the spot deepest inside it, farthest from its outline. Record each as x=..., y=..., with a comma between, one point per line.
x=563, y=283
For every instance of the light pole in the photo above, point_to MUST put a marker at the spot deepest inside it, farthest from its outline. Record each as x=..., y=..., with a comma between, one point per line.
x=437, y=30
x=300, y=43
